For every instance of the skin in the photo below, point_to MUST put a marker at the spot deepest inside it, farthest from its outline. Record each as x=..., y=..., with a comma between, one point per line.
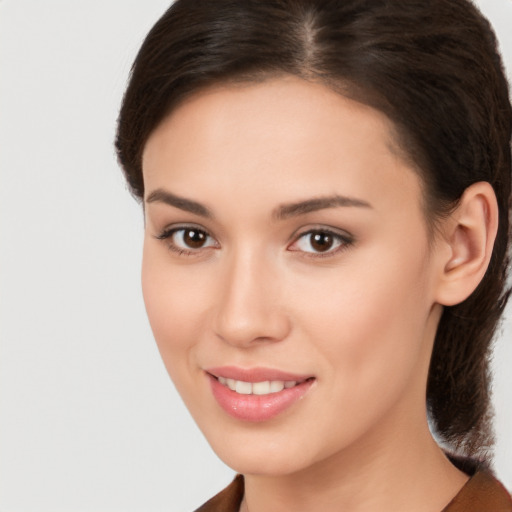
x=360, y=318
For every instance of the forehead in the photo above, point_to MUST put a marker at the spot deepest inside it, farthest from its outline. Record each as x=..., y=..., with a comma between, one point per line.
x=282, y=135
x=274, y=108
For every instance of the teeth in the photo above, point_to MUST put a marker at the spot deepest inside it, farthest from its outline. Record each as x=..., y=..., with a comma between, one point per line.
x=276, y=386
x=244, y=388
x=257, y=388
x=261, y=388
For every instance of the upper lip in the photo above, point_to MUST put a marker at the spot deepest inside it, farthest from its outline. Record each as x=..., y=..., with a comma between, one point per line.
x=257, y=374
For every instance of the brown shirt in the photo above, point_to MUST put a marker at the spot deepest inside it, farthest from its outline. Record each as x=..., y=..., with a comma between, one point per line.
x=481, y=493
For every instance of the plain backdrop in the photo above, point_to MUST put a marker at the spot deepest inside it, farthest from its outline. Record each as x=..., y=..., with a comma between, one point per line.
x=89, y=420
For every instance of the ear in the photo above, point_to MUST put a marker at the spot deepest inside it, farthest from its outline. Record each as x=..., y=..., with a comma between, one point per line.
x=469, y=235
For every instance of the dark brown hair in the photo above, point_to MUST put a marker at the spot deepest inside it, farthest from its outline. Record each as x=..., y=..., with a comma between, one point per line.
x=431, y=66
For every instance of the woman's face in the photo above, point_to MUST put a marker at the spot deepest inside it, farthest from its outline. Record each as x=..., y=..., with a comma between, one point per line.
x=286, y=255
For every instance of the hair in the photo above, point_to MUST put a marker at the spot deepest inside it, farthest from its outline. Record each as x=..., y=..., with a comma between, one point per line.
x=431, y=66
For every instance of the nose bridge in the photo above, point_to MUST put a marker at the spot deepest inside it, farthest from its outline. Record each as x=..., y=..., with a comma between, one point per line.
x=248, y=306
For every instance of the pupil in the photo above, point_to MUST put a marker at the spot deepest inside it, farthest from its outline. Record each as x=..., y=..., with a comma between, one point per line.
x=321, y=242
x=194, y=239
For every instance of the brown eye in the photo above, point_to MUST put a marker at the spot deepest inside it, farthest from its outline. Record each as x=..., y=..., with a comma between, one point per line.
x=194, y=238
x=321, y=242
x=188, y=239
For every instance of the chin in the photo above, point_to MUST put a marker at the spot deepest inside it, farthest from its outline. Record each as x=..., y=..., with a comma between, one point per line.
x=261, y=462
x=257, y=451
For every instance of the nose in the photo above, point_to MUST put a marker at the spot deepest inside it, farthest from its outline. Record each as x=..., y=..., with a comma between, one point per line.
x=250, y=307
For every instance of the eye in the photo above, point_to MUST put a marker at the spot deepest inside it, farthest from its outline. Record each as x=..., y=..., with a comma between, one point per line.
x=320, y=242
x=187, y=239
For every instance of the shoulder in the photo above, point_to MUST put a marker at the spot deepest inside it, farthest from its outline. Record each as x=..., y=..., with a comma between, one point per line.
x=482, y=493
x=227, y=500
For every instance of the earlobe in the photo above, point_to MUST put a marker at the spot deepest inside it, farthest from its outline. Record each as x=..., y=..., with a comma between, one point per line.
x=470, y=232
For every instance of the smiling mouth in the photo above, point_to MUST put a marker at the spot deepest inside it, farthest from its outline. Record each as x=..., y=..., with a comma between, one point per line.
x=267, y=387
x=257, y=394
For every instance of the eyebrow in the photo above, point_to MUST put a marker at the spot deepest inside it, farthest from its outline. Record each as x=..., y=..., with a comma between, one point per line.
x=162, y=196
x=286, y=211
x=282, y=212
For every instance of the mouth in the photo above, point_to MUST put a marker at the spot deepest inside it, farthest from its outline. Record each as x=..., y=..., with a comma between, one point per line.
x=258, y=394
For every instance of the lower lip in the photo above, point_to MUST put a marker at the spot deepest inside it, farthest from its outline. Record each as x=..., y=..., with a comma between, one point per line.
x=257, y=408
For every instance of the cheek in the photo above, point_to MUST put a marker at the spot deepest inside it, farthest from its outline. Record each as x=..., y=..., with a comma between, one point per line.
x=371, y=321
x=368, y=332
x=174, y=300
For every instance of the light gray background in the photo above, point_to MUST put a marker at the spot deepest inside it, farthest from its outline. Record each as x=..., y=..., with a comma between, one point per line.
x=88, y=418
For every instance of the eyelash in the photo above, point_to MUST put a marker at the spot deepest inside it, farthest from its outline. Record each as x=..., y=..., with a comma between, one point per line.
x=343, y=239
x=168, y=233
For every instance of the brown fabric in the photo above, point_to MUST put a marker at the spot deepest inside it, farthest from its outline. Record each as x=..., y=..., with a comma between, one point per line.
x=227, y=500
x=482, y=493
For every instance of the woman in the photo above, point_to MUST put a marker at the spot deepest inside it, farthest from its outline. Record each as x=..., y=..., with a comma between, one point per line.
x=326, y=188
